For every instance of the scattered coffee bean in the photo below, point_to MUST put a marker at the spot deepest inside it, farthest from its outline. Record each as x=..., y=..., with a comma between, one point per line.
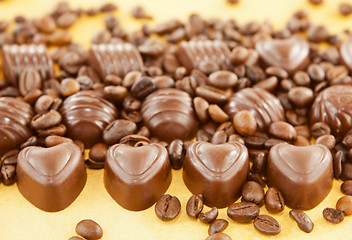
x=219, y=236
x=337, y=164
x=267, y=225
x=319, y=129
x=194, y=206
x=344, y=204
x=201, y=107
x=167, y=207
x=302, y=219
x=316, y=2
x=8, y=174
x=53, y=140
x=301, y=96
x=217, y=226
x=211, y=94
x=97, y=156
x=89, y=229
x=282, y=130
x=217, y=114
x=326, y=140
x=142, y=87
x=253, y=192
x=333, y=215
x=30, y=79
x=210, y=216
x=177, y=153
x=346, y=187
x=46, y=120
x=245, y=123
x=274, y=201
x=75, y=238
x=223, y=79
x=345, y=8
x=243, y=212
x=10, y=158
x=118, y=129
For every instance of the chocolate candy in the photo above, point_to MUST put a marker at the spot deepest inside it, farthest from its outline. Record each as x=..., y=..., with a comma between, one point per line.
x=136, y=177
x=16, y=58
x=216, y=171
x=117, y=59
x=15, y=116
x=291, y=54
x=169, y=115
x=191, y=54
x=51, y=178
x=302, y=174
x=85, y=115
x=334, y=107
x=346, y=53
x=265, y=107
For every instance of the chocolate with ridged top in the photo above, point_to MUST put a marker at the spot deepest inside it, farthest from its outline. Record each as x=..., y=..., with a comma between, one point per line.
x=168, y=114
x=86, y=114
x=265, y=107
x=15, y=117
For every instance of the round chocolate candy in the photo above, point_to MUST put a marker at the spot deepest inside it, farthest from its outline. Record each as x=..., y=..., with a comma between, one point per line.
x=265, y=107
x=168, y=114
x=15, y=116
x=85, y=115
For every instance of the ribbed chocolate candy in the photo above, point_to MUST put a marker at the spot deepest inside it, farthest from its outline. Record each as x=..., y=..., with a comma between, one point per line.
x=117, y=59
x=85, y=115
x=168, y=114
x=16, y=58
x=265, y=107
x=15, y=116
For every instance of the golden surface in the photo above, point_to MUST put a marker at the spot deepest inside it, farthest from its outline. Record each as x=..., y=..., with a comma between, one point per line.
x=21, y=220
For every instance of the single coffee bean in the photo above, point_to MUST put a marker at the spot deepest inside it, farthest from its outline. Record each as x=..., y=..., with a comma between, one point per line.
x=177, y=153
x=89, y=229
x=75, y=238
x=219, y=236
x=131, y=104
x=316, y=72
x=134, y=139
x=259, y=163
x=243, y=212
x=226, y=127
x=219, y=137
x=143, y=87
x=32, y=141
x=317, y=33
x=272, y=142
x=211, y=94
x=333, y=215
x=344, y=204
x=346, y=173
x=245, y=123
x=69, y=86
x=256, y=141
x=256, y=178
x=10, y=158
x=277, y=72
x=253, y=192
x=301, y=78
x=46, y=24
x=316, y=2
x=85, y=82
x=118, y=129
x=283, y=130
x=269, y=84
x=267, y=225
x=326, y=140
x=115, y=93
x=235, y=138
x=53, y=140
x=194, y=206
x=319, y=129
x=46, y=120
x=302, y=220
x=274, y=201
x=223, y=79
x=29, y=80
x=301, y=96
x=345, y=8
x=46, y=103
x=217, y=226
x=201, y=107
x=210, y=216
x=8, y=174
x=167, y=207
x=346, y=187
x=217, y=114
x=337, y=164
x=347, y=140
x=58, y=130
x=97, y=156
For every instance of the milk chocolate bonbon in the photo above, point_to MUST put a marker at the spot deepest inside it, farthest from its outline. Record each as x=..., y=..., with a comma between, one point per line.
x=15, y=117
x=168, y=114
x=216, y=171
x=85, y=115
x=51, y=178
x=136, y=176
x=302, y=174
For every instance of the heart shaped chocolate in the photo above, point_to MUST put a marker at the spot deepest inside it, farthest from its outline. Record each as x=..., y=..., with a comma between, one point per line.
x=51, y=178
x=291, y=54
x=346, y=53
x=302, y=174
x=136, y=177
x=216, y=171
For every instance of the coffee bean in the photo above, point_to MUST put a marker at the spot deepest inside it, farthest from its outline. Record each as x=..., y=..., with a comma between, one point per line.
x=317, y=33
x=301, y=141
x=134, y=139
x=10, y=158
x=66, y=20
x=347, y=140
x=269, y=84
x=259, y=163
x=282, y=130
x=217, y=226
x=274, y=201
x=326, y=140
x=89, y=229
x=277, y=72
x=301, y=96
x=256, y=141
x=256, y=178
x=8, y=174
x=219, y=137
x=211, y=94
x=319, y=129
x=194, y=206
x=302, y=220
x=219, y=236
x=75, y=238
x=210, y=216
x=46, y=120
x=58, y=130
x=32, y=141
x=177, y=153
x=201, y=107
x=333, y=215
x=346, y=173
x=346, y=187
x=267, y=225
x=316, y=2
x=243, y=212
x=223, y=79
x=272, y=142
x=235, y=138
x=167, y=207
x=337, y=164
x=316, y=72
x=30, y=79
x=217, y=114
x=69, y=86
x=115, y=93
x=53, y=140
x=253, y=192
x=142, y=87
x=344, y=204
x=97, y=156
x=345, y=9
x=245, y=123
x=118, y=129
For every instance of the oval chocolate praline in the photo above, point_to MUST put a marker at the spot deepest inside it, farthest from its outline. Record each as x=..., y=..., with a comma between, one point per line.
x=168, y=114
x=85, y=115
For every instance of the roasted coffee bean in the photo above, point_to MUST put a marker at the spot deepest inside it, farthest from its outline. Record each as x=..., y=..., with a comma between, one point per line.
x=115, y=93
x=245, y=123
x=277, y=72
x=346, y=173
x=97, y=156
x=256, y=141
x=217, y=226
x=301, y=78
x=202, y=135
x=32, y=96
x=302, y=220
x=152, y=47
x=8, y=174
x=60, y=38
x=163, y=82
x=316, y=2
x=58, y=130
x=134, y=139
x=201, y=107
x=139, y=12
x=267, y=225
x=30, y=79
x=131, y=104
x=194, y=206
x=326, y=140
x=223, y=79
x=66, y=20
x=75, y=238
x=301, y=141
x=316, y=72
x=256, y=178
x=272, y=142
x=337, y=164
x=259, y=163
x=210, y=216
x=211, y=94
x=130, y=78
x=239, y=55
x=46, y=120
x=118, y=129
x=336, y=73
x=219, y=137
x=32, y=141
x=344, y=204
x=345, y=8
x=235, y=138
x=108, y=7
x=274, y=201
x=243, y=212
x=53, y=140
x=282, y=130
x=346, y=187
x=269, y=84
x=143, y=87
x=10, y=158
x=317, y=33
x=217, y=114
x=301, y=96
x=253, y=192
x=167, y=207
x=112, y=80
x=347, y=140
x=177, y=153
x=333, y=215
x=44, y=103
x=69, y=86
x=219, y=236
x=89, y=229
x=319, y=129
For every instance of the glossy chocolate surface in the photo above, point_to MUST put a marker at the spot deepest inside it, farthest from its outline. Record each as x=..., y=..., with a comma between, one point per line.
x=16, y=58
x=15, y=117
x=168, y=114
x=265, y=107
x=334, y=107
x=86, y=114
x=117, y=59
x=192, y=53
x=51, y=178
x=303, y=175
x=136, y=177
x=291, y=54
x=216, y=171
x=346, y=53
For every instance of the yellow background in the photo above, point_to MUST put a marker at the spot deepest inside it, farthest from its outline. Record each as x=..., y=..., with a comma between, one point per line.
x=20, y=220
